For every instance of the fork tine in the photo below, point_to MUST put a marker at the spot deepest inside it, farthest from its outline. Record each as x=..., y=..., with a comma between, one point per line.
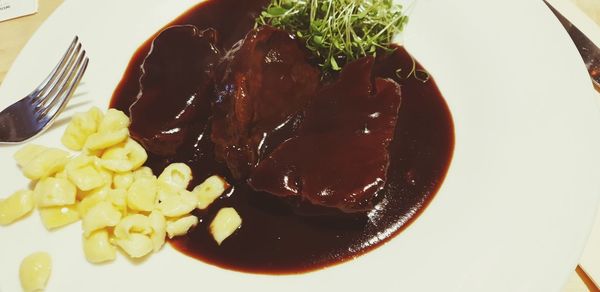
x=57, y=68
x=60, y=89
x=66, y=92
x=47, y=97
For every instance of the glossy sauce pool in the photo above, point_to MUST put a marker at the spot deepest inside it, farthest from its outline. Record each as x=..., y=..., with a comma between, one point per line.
x=273, y=238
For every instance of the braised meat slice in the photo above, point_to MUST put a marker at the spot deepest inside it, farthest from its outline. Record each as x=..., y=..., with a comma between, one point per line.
x=339, y=154
x=266, y=79
x=179, y=68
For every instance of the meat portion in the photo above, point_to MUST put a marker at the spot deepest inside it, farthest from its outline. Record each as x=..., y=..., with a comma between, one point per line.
x=179, y=68
x=266, y=79
x=339, y=154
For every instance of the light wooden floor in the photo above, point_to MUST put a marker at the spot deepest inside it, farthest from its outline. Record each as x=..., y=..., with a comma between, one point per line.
x=15, y=33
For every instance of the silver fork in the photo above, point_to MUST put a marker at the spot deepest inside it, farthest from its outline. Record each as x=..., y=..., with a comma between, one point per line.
x=34, y=113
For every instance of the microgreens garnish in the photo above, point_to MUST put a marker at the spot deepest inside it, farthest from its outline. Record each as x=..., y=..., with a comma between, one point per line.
x=337, y=31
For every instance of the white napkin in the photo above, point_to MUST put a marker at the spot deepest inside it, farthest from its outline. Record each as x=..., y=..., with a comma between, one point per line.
x=10, y=9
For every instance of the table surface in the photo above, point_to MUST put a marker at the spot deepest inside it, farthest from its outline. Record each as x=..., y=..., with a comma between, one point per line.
x=15, y=34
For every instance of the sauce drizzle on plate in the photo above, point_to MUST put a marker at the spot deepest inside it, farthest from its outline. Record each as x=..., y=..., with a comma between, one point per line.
x=275, y=238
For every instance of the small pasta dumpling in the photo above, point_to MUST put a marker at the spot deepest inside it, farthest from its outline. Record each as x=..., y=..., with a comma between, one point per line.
x=106, y=174
x=101, y=215
x=114, y=120
x=34, y=271
x=99, y=141
x=81, y=126
x=135, y=223
x=137, y=155
x=93, y=153
x=209, y=190
x=55, y=217
x=159, y=229
x=141, y=196
x=38, y=161
x=226, y=222
x=27, y=153
x=124, y=157
x=177, y=205
x=136, y=245
x=82, y=171
x=16, y=206
x=174, y=178
x=100, y=192
x=115, y=159
x=53, y=191
x=123, y=180
x=142, y=172
x=118, y=198
x=181, y=226
x=62, y=174
x=97, y=247
x=88, y=202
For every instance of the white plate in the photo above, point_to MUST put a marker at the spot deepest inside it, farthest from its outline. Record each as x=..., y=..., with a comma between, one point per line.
x=512, y=215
